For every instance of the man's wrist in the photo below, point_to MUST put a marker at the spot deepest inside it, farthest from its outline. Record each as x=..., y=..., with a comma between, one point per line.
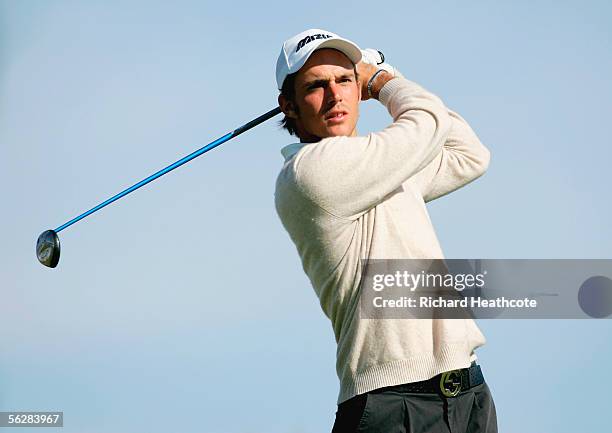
x=378, y=82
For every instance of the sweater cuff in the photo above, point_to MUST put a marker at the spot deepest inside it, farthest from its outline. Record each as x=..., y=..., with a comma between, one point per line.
x=393, y=85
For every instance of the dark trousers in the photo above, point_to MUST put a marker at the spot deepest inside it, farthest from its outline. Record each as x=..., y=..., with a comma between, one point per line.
x=392, y=410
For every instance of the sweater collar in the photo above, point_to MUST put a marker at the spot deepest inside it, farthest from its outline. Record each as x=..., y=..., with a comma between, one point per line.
x=291, y=149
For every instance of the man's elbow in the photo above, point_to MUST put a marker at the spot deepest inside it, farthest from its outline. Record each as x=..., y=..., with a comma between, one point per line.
x=483, y=159
x=476, y=164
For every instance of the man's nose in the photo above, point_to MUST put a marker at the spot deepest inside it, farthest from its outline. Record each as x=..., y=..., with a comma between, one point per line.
x=334, y=93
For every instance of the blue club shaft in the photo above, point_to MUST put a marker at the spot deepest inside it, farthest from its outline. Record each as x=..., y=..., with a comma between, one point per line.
x=177, y=164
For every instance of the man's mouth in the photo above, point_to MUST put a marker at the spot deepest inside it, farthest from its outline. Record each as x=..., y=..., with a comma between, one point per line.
x=336, y=116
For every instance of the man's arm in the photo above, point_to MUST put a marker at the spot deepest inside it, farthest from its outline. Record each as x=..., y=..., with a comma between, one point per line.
x=347, y=176
x=463, y=158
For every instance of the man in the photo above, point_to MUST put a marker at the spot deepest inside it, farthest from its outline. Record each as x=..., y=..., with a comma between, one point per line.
x=344, y=198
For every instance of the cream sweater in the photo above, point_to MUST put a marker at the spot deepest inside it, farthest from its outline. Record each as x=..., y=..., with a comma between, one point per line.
x=344, y=199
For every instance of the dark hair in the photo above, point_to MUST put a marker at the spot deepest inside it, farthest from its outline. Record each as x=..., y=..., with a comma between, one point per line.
x=288, y=91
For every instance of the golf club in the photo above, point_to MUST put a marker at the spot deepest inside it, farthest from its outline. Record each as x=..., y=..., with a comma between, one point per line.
x=48, y=244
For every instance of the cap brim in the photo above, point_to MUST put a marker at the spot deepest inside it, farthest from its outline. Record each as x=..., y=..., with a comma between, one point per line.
x=351, y=50
x=348, y=48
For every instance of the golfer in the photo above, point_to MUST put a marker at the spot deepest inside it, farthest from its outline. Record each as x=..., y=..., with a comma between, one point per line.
x=344, y=198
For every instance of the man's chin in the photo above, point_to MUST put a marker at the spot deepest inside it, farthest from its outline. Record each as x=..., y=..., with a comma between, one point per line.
x=331, y=131
x=340, y=131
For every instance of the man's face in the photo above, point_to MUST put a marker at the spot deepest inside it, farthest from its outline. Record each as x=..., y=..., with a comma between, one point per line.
x=327, y=96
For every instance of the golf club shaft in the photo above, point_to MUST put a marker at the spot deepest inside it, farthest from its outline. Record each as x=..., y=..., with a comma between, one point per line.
x=178, y=163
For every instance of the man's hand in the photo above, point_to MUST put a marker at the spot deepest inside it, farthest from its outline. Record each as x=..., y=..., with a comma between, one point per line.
x=366, y=72
x=372, y=61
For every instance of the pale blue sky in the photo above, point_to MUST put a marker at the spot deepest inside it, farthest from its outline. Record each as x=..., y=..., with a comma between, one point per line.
x=183, y=307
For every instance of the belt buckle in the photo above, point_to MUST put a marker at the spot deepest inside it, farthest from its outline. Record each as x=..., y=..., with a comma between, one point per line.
x=450, y=383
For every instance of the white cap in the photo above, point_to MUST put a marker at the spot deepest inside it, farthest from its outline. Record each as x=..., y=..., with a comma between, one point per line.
x=297, y=50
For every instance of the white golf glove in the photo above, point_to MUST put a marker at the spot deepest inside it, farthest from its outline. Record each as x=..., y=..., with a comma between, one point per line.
x=375, y=57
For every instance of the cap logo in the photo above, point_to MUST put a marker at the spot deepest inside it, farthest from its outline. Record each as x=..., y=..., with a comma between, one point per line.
x=309, y=39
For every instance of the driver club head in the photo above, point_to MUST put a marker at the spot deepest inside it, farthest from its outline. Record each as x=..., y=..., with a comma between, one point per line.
x=48, y=248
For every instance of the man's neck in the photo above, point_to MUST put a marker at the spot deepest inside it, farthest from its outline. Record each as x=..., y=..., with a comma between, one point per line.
x=314, y=139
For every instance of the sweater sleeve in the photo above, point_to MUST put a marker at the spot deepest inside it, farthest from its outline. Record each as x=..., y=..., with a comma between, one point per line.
x=347, y=176
x=463, y=158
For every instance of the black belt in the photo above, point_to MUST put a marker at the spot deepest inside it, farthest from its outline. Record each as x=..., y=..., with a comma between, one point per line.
x=449, y=383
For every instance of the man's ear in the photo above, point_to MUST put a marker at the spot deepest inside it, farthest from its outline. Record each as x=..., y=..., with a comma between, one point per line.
x=287, y=107
x=359, y=87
